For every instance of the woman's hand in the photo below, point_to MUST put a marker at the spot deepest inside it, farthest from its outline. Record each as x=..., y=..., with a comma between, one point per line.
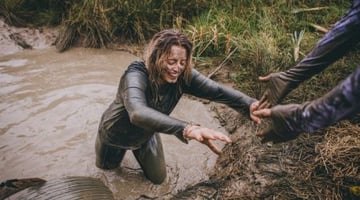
x=205, y=135
x=254, y=106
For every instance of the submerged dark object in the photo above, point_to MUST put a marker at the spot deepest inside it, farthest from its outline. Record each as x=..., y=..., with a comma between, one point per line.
x=13, y=186
x=67, y=188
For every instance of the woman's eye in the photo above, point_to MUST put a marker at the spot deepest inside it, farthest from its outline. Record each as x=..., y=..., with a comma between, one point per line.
x=171, y=62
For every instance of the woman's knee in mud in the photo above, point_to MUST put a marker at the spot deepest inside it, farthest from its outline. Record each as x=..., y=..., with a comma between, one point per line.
x=157, y=180
x=105, y=165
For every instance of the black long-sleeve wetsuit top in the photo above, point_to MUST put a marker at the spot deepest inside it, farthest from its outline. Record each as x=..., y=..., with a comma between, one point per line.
x=135, y=114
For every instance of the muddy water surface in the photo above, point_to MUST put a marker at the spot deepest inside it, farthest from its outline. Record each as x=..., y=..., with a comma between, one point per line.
x=50, y=106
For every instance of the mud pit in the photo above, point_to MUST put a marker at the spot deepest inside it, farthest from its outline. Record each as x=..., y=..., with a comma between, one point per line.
x=50, y=107
x=51, y=104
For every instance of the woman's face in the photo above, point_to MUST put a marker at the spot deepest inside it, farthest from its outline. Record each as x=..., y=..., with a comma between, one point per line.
x=175, y=64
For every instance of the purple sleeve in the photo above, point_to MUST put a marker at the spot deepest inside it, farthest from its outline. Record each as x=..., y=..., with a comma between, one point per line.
x=341, y=102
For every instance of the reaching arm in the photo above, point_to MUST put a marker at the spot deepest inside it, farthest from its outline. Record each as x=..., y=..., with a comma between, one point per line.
x=334, y=45
x=204, y=87
x=133, y=89
x=288, y=121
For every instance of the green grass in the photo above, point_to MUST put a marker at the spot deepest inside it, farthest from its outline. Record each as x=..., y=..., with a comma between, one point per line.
x=252, y=37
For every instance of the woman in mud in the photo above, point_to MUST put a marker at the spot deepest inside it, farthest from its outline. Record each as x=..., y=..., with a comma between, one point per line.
x=288, y=121
x=148, y=91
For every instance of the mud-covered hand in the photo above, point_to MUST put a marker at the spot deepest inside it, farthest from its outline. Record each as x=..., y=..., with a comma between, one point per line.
x=281, y=127
x=254, y=106
x=206, y=136
x=278, y=85
x=288, y=121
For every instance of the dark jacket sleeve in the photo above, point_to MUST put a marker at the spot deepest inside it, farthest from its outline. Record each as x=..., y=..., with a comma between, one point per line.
x=344, y=35
x=203, y=87
x=341, y=102
x=339, y=40
x=133, y=89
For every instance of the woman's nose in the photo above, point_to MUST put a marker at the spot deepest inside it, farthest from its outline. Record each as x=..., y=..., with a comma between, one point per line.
x=179, y=67
x=176, y=67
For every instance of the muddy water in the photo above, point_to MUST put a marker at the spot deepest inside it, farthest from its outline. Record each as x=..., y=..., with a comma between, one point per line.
x=50, y=106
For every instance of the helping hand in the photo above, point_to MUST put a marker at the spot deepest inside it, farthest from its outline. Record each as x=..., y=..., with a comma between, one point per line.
x=268, y=134
x=281, y=127
x=254, y=106
x=276, y=89
x=205, y=135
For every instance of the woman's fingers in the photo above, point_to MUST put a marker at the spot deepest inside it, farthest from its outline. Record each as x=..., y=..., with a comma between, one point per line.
x=205, y=135
x=225, y=138
x=264, y=78
x=216, y=135
x=254, y=106
x=263, y=112
x=212, y=147
x=255, y=118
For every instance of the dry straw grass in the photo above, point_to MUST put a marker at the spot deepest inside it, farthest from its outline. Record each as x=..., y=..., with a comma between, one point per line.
x=323, y=165
x=89, y=23
x=314, y=166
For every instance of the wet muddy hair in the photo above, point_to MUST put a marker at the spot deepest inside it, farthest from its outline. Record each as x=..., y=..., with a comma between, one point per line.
x=158, y=50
